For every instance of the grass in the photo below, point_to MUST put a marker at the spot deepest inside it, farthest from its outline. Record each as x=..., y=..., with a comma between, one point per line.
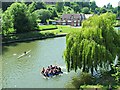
x=47, y=27
x=99, y=87
x=61, y=29
x=91, y=86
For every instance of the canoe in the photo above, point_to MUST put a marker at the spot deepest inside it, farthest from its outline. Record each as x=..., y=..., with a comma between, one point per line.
x=24, y=54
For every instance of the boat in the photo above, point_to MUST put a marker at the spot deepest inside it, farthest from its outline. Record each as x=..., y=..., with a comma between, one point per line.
x=51, y=76
x=51, y=72
x=24, y=54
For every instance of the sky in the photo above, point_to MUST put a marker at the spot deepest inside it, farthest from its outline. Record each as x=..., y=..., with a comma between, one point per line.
x=101, y=3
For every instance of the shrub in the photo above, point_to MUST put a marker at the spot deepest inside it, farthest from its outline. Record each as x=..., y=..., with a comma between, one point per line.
x=84, y=78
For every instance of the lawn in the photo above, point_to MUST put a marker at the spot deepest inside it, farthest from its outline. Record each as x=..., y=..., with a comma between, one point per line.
x=47, y=27
x=62, y=29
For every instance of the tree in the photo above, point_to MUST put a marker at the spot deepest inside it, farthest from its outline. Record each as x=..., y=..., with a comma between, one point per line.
x=67, y=4
x=93, y=6
x=115, y=10
x=19, y=18
x=59, y=6
x=75, y=7
x=7, y=23
x=85, y=10
x=54, y=14
x=103, y=10
x=86, y=4
x=40, y=5
x=43, y=15
x=95, y=45
x=109, y=6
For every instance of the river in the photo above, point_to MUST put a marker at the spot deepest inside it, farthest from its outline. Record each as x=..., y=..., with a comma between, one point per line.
x=25, y=72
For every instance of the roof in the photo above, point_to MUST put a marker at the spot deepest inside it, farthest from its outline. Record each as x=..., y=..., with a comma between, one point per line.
x=72, y=16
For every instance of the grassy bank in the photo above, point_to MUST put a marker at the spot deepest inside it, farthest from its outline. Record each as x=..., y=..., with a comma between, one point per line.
x=99, y=87
x=40, y=34
x=62, y=29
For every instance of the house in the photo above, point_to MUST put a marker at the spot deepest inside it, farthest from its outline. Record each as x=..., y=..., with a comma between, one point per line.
x=71, y=19
x=51, y=2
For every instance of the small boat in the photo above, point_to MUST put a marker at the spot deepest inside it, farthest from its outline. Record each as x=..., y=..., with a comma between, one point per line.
x=51, y=72
x=24, y=54
x=51, y=76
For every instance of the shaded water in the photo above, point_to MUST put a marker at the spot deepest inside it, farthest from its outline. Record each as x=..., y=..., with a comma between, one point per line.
x=25, y=72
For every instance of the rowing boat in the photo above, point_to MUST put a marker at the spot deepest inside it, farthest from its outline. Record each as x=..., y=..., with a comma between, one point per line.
x=23, y=54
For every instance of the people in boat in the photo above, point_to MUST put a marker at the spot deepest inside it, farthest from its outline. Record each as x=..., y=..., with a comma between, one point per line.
x=51, y=71
x=46, y=73
x=43, y=70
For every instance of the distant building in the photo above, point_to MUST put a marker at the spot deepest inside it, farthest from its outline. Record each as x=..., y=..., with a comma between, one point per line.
x=71, y=19
x=51, y=2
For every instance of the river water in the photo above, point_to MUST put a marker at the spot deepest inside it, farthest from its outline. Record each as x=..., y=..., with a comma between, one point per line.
x=25, y=72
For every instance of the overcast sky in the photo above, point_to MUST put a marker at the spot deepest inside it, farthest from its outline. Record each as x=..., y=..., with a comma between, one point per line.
x=101, y=3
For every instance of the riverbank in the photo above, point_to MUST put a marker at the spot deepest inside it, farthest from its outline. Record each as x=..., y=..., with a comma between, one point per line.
x=44, y=32
x=35, y=38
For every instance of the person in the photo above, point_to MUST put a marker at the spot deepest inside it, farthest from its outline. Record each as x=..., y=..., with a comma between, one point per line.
x=25, y=52
x=50, y=73
x=43, y=70
x=51, y=67
x=60, y=70
x=46, y=73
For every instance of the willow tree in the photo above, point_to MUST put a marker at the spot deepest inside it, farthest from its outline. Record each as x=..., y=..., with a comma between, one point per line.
x=95, y=45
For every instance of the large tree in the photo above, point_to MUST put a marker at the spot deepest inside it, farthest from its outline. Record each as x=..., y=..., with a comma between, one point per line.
x=43, y=15
x=95, y=45
x=85, y=10
x=59, y=6
x=19, y=17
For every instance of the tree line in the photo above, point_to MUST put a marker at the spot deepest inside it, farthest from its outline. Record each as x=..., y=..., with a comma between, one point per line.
x=19, y=17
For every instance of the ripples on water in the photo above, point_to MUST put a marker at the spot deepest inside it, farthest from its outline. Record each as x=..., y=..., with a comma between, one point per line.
x=25, y=72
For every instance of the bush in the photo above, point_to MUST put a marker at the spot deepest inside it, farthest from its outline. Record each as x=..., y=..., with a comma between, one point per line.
x=85, y=78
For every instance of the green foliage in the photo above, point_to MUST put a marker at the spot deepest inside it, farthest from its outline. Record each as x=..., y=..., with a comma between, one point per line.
x=59, y=6
x=43, y=15
x=117, y=72
x=67, y=4
x=93, y=6
x=40, y=5
x=68, y=10
x=19, y=17
x=95, y=45
x=7, y=23
x=83, y=79
x=75, y=7
x=85, y=10
x=103, y=10
x=54, y=14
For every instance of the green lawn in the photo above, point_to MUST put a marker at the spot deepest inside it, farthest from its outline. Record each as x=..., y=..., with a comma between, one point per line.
x=62, y=29
x=47, y=27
